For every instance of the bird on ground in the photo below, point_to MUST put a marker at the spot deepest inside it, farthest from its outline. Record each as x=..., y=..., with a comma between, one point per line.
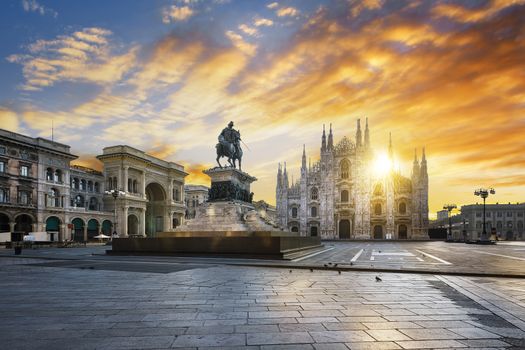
x=378, y=279
x=311, y=270
x=290, y=271
x=325, y=265
x=339, y=271
x=351, y=263
x=329, y=263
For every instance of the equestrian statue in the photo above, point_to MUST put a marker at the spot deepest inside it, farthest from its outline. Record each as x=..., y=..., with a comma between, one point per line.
x=229, y=146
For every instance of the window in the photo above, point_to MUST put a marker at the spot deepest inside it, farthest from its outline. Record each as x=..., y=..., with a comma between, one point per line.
x=93, y=203
x=345, y=169
x=344, y=196
x=478, y=214
x=49, y=174
x=478, y=224
x=488, y=214
x=520, y=225
x=24, y=170
x=77, y=183
x=97, y=187
x=2, y=167
x=176, y=195
x=499, y=225
x=135, y=187
x=83, y=185
x=520, y=214
x=402, y=208
x=509, y=214
x=2, y=150
x=4, y=195
x=500, y=214
x=90, y=186
x=58, y=176
x=115, y=183
x=24, y=197
x=294, y=212
x=110, y=183
x=509, y=224
x=313, y=212
x=377, y=209
x=130, y=185
x=53, y=198
x=314, y=195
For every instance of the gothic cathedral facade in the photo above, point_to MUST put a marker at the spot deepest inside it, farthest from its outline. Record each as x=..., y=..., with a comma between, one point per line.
x=340, y=197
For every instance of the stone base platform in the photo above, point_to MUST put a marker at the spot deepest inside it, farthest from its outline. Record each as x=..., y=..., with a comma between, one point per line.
x=262, y=245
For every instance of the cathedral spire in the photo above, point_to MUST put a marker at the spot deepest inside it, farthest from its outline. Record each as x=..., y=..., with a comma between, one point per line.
x=367, y=135
x=358, y=138
x=323, y=141
x=279, y=176
x=330, y=139
x=285, y=177
x=423, y=169
x=303, y=165
x=415, y=166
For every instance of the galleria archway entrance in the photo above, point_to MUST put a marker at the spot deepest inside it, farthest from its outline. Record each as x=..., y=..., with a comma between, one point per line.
x=344, y=229
x=155, y=209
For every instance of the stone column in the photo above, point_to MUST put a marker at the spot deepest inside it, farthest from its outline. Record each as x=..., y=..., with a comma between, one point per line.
x=85, y=232
x=12, y=226
x=126, y=189
x=170, y=194
x=62, y=233
x=124, y=223
x=143, y=222
x=167, y=221
x=143, y=184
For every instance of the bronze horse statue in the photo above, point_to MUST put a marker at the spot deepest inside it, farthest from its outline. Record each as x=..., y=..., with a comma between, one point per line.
x=232, y=151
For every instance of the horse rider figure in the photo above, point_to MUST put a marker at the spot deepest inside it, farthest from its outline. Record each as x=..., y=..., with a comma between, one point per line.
x=229, y=145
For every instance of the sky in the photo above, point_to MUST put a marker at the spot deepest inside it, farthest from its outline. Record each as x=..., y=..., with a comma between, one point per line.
x=166, y=76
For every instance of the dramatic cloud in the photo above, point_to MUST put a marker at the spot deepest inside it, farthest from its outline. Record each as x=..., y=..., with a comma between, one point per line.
x=248, y=30
x=175, y=13
x=9, y=119
x=287, y=11
x=83, y=56
x=263, y=22
x=34, y=6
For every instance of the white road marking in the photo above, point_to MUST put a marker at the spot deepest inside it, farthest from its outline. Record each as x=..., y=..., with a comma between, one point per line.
x=434, y=257
x=504, y=256
x=313, y=254
x=357, y=255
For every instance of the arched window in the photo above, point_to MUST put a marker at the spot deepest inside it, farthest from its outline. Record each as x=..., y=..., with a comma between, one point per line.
x=344, y=196
x=130, y=185
x=402, y=208
x=345, y=169
x=58, y=175
x=79, y=201
x=83, y=185
x=313, y=212
x=97, y=187
x=314, y=194
x=110, y=183
x=295, y=229
x=135, y=187
x=72, y=182
x=294, y=212
x=176, y=195
x=90, y=186
x=77, y=183
x=377, y=209
x=49, y=174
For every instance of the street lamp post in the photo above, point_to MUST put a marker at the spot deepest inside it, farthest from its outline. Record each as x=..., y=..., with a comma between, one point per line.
x=115, y=194
x=484, y=193
x=449, y=208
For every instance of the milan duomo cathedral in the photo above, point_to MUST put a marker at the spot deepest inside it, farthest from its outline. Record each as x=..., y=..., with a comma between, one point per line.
x=340, y=197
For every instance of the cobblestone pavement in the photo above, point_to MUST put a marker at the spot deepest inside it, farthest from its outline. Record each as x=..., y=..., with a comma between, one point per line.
x=73, y=304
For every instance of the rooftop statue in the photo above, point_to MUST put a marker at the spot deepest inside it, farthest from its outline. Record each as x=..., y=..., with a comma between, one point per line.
x=229, y=146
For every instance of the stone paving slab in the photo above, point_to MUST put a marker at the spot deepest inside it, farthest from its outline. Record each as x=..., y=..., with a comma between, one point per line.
x=234, y=307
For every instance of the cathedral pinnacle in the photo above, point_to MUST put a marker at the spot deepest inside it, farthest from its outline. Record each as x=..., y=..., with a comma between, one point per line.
x=323, y=140
x=330, y=139
x=303, y=165
x=367, y=135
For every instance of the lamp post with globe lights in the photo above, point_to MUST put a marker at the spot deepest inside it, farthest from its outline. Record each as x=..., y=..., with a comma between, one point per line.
x=484, y=193
x=449, y=208
x=115, y=194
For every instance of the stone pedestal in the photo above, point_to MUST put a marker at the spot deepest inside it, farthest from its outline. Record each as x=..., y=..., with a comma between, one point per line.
x=229, y=207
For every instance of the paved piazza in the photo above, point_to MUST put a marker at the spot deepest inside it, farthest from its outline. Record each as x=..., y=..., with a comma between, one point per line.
x=76, y=298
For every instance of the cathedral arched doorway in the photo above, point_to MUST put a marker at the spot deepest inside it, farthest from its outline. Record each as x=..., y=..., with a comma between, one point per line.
x=313, y=231
x=378, y=232
x=133, y=225
x=402, y=232
x=344, y=229
x=155, y=208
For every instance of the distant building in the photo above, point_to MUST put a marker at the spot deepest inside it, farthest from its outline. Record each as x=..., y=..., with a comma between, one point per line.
x=506, y=220
x=442, y=214
x=195, y=195
x=338, y=196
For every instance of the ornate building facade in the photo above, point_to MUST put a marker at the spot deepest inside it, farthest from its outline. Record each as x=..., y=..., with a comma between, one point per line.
x=340, y=196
